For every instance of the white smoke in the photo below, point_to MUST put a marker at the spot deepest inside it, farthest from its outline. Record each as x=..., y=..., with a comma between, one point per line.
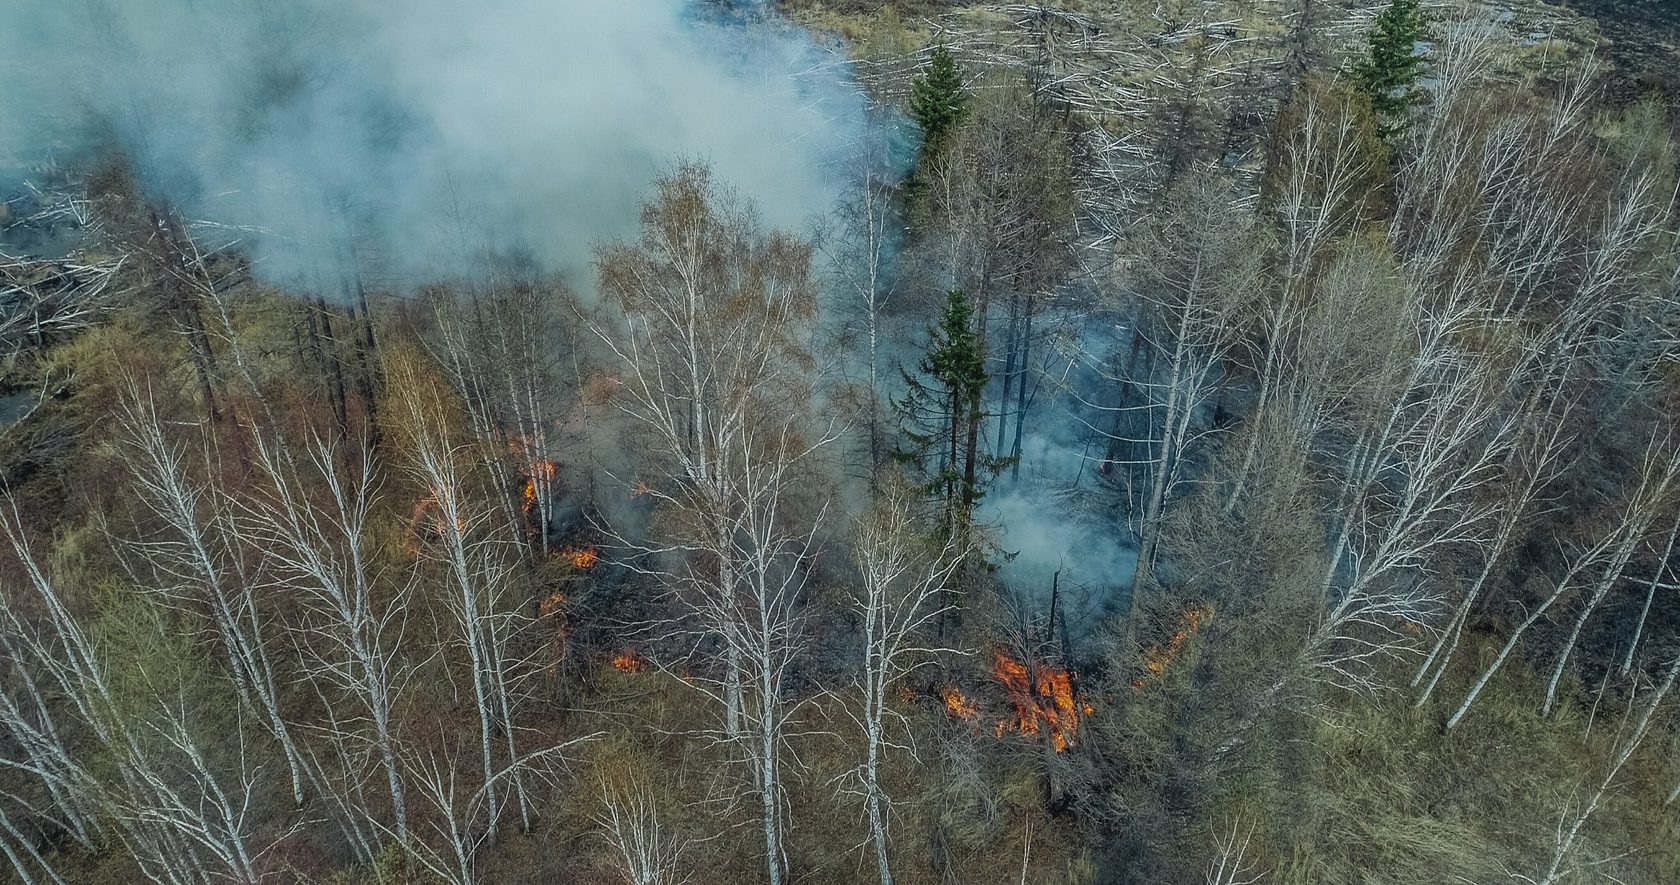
x=410, y=136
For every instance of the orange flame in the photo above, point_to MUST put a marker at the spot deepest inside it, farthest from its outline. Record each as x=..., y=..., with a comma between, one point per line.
x=550, y=603
x=540, y=468
x=630, y=661
x=1156, y=659
x=959, y=705
x=581, y=557
x=1043, y=697
x=428, y=514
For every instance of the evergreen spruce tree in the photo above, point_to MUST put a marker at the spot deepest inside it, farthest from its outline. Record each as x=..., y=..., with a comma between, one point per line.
x=940, y=415
x=939, y=104
x=938, y=100
x=1389, y=72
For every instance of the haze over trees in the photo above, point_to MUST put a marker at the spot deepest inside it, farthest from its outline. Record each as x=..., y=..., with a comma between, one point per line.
x=1203, y=442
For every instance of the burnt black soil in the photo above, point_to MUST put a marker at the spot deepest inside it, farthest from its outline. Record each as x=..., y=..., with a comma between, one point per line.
x=1644, y=40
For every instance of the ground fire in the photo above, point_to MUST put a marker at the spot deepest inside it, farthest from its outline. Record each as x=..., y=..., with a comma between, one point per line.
x=581, y=557
x=959, y=705
x=630, y=661
x=540, y=469
x=1156, y=659
x=551, y=603
x=1044, y=699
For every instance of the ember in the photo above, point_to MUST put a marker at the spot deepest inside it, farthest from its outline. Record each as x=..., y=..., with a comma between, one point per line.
x=630, y=661
x=1043, y=697
x=581, y=557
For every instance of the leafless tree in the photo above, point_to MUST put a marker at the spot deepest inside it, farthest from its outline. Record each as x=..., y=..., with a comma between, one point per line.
x=1231, y=864
x=200, y=557
x=903, y=580
x=1602, y=563
x=712, y=313
x=318, y=547
x=1579, y=812
x=648, y=852
x=860, y=252
x=1658, y=481
x=1539, y=456
x=1190, y=271
x=1659, y=580
x=1324, y=160
x=185, y=818
x=498, y=345
x=478, y=561
x=717, y=378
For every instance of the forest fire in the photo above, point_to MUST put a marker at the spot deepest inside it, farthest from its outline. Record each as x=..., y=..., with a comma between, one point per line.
x=426, y=523
x=1156, y=659
x=581, y=557
x=1044, y=698
x=959, y=705
x=630, y=661
x=541, y=469
x=551, y=603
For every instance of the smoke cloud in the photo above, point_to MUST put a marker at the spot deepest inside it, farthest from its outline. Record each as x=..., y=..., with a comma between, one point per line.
x=408, y=137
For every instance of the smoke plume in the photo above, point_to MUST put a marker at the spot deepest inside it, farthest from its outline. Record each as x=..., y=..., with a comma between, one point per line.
x=407, y=138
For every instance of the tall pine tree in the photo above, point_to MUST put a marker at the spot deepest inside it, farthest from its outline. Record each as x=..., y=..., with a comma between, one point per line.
x=1389, y=71
x=938, y=100
x=939, y=104
x=940, y=415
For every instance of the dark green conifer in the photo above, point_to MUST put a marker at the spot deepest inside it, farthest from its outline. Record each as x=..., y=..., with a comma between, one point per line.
x=938, y=100
x=1389, y=71
x=940, y=414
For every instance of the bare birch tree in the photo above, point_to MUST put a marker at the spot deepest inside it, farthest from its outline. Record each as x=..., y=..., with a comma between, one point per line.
x=716, y=375
x=200, y=556
x=903, y=578
x=712, y=313
x=321, y=551
x=1579, y=812
x=648, y=852
x=1322, y=166
x=1604, y=561
x=860, y=251
x=478, y=562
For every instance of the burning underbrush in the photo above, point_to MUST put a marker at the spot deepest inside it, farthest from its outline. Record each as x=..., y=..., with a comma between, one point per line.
x=630, y=661
x=1042, y=699
x=536, y=479
x=1159, y=656
x=581, y=557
